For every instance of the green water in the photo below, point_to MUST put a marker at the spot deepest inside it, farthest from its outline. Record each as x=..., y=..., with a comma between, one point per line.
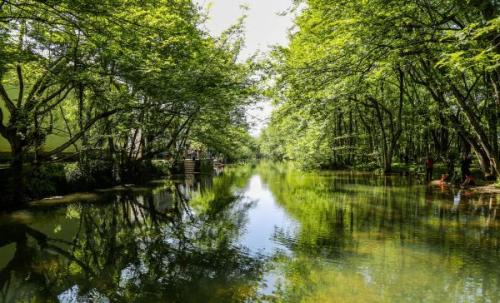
x=263, y=234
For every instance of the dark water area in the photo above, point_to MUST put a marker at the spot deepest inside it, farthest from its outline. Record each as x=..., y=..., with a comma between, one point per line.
x=257, y=234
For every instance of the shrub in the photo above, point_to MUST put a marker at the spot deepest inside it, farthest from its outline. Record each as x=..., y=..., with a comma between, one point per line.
x=161, y=167
x=371, y=166
x=73, y=173
x=46, y=180
x=94, y=173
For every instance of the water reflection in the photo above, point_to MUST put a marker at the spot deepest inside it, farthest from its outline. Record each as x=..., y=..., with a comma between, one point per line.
x=270, y=234
x=372, y=239
x=139, y=248
x=266, y=219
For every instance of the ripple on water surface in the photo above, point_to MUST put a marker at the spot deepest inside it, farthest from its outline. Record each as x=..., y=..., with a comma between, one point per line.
x=269, y=233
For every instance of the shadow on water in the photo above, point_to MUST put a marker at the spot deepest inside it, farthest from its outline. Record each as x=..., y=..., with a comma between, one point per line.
x=269, y=234
x=136, y=248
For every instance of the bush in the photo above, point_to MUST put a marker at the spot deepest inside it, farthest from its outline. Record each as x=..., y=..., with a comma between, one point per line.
x=46, y=180
x=161, y=167
x=371, y=167
x=62, y=178
x=93, y=174
x=73, y=173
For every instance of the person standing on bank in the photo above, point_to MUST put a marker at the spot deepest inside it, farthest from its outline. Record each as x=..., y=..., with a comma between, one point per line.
x=465, y=167
x=429, y=165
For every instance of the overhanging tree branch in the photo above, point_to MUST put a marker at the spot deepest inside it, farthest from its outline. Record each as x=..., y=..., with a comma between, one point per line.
x=58, y=101
x=42, y=80
x=80, y=134
x=8, y=102
x=21, y=85
x=55, y=94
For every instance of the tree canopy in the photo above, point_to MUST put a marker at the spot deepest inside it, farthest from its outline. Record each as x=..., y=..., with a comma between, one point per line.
x=381, y=81
x=118, y=80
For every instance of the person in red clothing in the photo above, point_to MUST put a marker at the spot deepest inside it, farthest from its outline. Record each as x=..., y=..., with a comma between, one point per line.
x=429, y=165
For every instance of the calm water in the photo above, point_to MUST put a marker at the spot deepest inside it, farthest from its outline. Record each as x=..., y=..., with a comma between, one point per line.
x=263, y=234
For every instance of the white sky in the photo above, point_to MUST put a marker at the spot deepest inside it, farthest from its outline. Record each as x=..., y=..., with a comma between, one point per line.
x=264, y=28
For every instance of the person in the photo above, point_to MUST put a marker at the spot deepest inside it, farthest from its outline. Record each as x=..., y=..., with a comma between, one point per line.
x=429, y=165
x=469, y=181
x=445, y=178
x=465, y=167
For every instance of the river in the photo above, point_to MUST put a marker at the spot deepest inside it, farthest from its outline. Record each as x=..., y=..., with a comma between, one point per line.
x=267, y=233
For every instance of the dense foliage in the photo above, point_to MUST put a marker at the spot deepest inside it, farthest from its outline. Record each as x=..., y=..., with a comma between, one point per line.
x=120, y=81
x=374, y=82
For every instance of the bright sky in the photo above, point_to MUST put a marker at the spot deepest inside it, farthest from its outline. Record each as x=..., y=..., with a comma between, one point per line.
x=264, y=28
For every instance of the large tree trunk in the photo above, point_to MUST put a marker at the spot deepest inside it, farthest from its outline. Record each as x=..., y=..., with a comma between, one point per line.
x=388, y=163
x=484, y=162
x=16, y=167
x=479, y=140
x=469, y=140
x=479, y=130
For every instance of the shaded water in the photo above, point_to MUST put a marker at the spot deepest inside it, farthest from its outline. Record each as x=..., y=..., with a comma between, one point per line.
x=270, y=234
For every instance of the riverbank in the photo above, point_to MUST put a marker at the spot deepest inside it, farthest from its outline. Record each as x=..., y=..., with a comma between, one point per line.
x=67, y=178
x=99, y=195
x=485, y=189
x=481, y=186
x=62, y=182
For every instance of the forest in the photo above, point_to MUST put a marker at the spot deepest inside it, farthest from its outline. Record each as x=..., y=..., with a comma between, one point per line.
x=104, y=88
x=371, y=84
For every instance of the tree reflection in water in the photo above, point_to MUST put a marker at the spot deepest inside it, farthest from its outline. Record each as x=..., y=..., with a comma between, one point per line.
x=140, y=248
x=365, y=238
x=328, y=237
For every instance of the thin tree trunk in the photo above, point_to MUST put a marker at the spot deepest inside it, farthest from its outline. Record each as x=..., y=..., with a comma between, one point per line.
x=386, y=158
